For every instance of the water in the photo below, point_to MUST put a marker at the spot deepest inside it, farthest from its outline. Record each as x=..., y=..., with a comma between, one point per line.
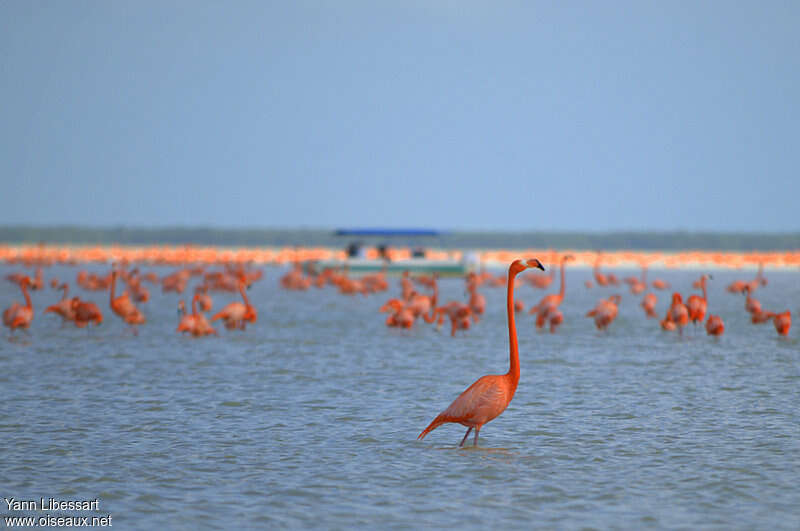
x=310, y=417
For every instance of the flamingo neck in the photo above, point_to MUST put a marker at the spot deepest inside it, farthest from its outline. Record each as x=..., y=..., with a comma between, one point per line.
x=244, y=296
x=703, y=287
x=513, y=355
x=65, y=287
x=561, y=289
x=113, y=286
x=28, y=302
x=194, y=305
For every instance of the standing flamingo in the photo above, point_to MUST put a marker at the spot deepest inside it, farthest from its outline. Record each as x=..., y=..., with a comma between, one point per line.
x=459, y=314
x=123, y=307
x=547, y=308
x=697, y=305
x=599, y=277
x=649, y=304
x=236, y=314
x=752, y=305
x=86, y=312
x=17, y=315
x=605, y=312
x=783, y=322
x=187, y=321
x=201, y=325
x=63, y=307
x=678, y=313
x=489, y=396
x=714, y=325
x=638, y=285
x=204, y=299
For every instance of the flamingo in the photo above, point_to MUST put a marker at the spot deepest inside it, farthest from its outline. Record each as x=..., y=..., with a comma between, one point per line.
x=202, y=326
x=678, y=313
x=476, y=300
x=63, y=307
x=660, y=284
x=739, y=286
x=123, y=307
x=547, y=308
x=187, y=322
x=783, y=322
x=17, y=315
x=599, y=277
x=236, y=314
x=38, y=281
x=86, y=312
x=697, y=305
x=605, y=312
x=638, y=285
x=649, y=305
x=489, y=396
x=377, y=281
x=714, y=325
x=761, y=317
x=140, y=293
x=204, y=299
x=195, y=323
x=402, y=317
x=750, y=304
x=459, y=314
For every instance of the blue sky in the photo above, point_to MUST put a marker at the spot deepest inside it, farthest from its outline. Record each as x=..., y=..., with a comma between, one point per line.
x=447, y=114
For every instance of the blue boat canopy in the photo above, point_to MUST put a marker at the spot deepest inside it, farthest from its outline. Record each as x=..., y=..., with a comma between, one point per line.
x=387, y=232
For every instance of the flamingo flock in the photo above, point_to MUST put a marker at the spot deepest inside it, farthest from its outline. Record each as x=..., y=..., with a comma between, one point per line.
x=127, y=304
x=418, y=301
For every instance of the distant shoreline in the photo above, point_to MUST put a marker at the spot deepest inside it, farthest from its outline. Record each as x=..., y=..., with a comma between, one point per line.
x=180, y=255
x=667, y=241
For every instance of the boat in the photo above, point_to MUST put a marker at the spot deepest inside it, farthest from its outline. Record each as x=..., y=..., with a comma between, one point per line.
x=356, y=263
x=445, y=268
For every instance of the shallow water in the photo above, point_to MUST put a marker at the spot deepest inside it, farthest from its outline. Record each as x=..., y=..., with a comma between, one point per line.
x=310, y=417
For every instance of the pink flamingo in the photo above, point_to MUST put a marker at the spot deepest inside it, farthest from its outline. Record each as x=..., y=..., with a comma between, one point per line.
x=490, y=395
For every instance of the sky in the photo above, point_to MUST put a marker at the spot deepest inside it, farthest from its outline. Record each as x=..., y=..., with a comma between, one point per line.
x=460, y=115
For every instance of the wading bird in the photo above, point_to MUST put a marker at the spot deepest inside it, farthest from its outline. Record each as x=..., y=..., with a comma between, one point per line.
x=547, y=309
x=489, y=396
x=17, y=315
x=696, y=304
x=714, y=325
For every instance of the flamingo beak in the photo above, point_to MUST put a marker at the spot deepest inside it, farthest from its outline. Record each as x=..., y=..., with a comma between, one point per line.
x=535, y=263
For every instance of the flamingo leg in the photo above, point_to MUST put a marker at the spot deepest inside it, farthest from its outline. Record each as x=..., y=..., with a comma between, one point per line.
x=465, y=437
x=477, y=431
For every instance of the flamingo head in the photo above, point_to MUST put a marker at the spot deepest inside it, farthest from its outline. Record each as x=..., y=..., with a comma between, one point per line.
x=520, y=265
x=676, y=297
